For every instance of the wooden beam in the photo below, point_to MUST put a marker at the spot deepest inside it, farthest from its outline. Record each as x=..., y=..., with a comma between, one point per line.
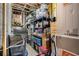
x=4, y=31
x=31, y=5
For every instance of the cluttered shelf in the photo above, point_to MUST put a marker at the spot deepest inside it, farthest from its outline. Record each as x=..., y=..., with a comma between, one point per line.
x=37, y=35
x=43, y=18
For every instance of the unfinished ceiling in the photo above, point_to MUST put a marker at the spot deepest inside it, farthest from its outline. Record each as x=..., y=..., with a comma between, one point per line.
x=25, y=7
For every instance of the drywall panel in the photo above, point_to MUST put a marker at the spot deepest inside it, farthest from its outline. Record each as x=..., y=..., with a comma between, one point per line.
x=68, y=44
x=78, y=18
x=0, y=25
x=67, y=18
x=60, y=19
x=68, y=21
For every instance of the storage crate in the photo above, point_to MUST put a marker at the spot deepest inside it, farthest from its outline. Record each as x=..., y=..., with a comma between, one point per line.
x=18, y=51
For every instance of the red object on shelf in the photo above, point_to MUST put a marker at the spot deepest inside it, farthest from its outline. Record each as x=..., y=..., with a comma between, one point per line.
x=43, y=50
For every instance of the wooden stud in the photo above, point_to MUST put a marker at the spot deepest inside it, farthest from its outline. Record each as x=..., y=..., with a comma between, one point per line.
x=4, y=31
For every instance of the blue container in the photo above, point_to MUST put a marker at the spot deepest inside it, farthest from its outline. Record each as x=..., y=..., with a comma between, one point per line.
x=38, y=41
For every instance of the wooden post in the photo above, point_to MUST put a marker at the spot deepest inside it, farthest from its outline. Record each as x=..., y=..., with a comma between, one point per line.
x=4, y=30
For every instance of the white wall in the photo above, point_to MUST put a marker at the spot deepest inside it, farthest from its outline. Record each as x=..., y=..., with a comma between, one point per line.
x=67, y=17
